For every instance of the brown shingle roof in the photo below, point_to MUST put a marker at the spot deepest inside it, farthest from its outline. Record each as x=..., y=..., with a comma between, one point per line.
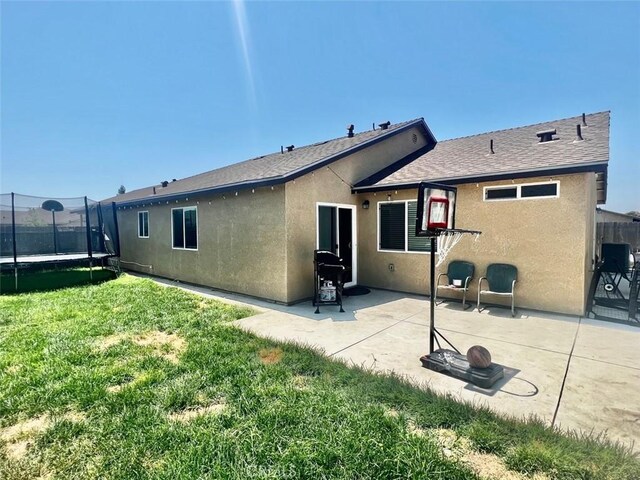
x=517, y=150
x=276, y=166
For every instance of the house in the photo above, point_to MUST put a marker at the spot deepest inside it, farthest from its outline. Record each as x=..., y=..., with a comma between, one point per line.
x=607, y=216
x=251, y=227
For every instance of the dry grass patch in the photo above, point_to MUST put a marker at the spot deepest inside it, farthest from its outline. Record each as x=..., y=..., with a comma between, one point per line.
x=301, y=382
x=106, y=343
x=20, y=436
x=415, y=429
x=270, y=356
x=13, y=369
x=187, y=415
x=485, y=465
x=165, y=345
x=392, y=412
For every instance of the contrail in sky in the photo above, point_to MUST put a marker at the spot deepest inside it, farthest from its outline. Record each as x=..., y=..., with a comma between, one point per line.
x=243, y=31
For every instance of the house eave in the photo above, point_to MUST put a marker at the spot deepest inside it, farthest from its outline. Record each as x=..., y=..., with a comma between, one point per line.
x=596, y=167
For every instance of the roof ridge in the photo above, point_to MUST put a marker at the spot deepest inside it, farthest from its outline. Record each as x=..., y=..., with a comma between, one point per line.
x=521, y=126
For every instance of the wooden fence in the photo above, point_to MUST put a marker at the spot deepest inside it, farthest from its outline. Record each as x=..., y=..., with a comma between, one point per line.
x=619, y=232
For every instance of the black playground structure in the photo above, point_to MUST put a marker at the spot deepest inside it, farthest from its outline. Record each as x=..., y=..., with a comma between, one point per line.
x=615, y=287
x=40, y=234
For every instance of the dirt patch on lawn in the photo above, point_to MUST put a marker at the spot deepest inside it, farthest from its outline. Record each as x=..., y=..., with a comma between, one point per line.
x=189, y=414
x=165, y=345
x=20, y=436
x=270, y=356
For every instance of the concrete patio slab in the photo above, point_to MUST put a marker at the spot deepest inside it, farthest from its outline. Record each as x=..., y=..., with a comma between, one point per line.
x=602, y=397
x=534, y=329
x=531, y=386
x=326, y=334
x=613, y=343
x=584, y=372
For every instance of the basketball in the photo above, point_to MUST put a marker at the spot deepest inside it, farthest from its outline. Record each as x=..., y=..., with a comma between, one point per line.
x=478, y=357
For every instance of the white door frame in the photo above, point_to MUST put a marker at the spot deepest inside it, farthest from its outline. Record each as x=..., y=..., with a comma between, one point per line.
x=354, y=235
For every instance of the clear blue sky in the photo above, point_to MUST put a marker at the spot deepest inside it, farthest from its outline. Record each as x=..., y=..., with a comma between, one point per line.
x=95, y=95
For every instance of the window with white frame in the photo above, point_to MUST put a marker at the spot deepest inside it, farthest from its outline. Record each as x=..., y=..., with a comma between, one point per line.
x=522, y=191
x=143, y=224
x=184, y=228
x=397, y=227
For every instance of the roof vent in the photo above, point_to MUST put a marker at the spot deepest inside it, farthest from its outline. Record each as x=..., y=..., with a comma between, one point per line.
x=384, y=126
x=290, y=148
x=578, y=133
x=584, y=120
x=164, y=183
x=491, y=146
x=546, y=135
x=350, y=130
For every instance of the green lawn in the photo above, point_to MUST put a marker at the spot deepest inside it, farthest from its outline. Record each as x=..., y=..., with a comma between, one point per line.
x=128, y=379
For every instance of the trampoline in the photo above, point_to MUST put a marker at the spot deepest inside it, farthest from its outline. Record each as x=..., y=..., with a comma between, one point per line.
x=44, y=233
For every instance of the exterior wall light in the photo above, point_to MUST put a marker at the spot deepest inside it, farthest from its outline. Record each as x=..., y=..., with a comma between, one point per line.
x=365, y=205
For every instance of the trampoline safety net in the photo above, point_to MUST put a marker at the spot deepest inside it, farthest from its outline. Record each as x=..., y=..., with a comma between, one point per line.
x=55, y=226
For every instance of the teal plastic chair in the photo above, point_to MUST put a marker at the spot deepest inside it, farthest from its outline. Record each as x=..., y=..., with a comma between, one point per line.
x=501, y=279
x=459, y=275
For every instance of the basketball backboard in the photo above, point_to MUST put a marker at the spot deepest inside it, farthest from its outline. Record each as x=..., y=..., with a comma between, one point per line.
x=436, y=209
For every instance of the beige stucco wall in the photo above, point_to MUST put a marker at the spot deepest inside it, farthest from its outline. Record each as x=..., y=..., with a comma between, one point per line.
x=241, y=244
x=331, y=185
x=549, y=240
x=591, y=202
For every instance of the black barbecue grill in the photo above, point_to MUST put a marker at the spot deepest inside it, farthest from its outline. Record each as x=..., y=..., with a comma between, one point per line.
x=328, y=267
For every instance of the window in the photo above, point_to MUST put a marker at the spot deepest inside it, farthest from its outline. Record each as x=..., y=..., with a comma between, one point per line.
x=184, y=223
x=397, y=227
x=524, y=191
x=143, y=224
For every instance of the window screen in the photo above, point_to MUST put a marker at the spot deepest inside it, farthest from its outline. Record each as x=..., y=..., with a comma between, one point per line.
x=178, y=228
x=190, y=228
x=143, y=224
x=541, y=190
x=501, y=193
x=185, y=228
x=392, y=226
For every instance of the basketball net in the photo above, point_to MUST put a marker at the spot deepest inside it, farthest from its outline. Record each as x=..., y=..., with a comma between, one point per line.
x=449, y=239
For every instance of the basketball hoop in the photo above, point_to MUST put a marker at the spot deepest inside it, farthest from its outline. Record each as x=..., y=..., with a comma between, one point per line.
x=449, y=238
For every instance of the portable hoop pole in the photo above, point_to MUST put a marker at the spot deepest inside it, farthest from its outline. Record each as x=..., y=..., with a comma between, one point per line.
x=13, y=236
x=432, y=328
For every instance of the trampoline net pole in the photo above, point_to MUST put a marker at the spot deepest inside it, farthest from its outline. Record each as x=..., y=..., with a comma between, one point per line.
x=88, y=227
x=100, y=228
x=116, y=242
x=13, y=239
